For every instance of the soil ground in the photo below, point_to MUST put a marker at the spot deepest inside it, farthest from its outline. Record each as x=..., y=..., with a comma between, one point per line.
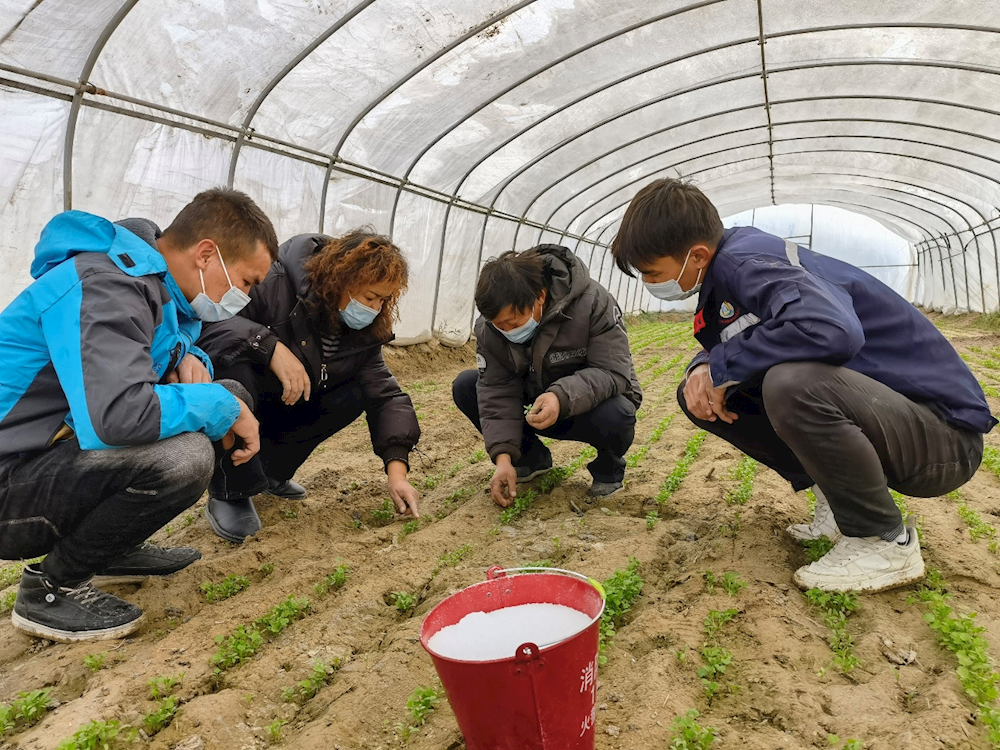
x=781, y=691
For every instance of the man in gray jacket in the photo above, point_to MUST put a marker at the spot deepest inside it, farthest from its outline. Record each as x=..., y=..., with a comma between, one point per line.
x=550, y=337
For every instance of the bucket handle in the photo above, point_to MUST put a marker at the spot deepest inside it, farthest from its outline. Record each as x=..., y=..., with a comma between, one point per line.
x=498, y=571
x=528, y=660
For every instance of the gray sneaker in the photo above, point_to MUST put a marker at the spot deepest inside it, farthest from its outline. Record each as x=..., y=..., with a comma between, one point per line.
x=605, y=489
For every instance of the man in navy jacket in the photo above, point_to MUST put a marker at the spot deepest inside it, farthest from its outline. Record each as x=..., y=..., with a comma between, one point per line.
x=817, y=370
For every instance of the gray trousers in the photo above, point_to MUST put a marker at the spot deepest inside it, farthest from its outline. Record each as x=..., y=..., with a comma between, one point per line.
x=83, y=508
x=854, y=437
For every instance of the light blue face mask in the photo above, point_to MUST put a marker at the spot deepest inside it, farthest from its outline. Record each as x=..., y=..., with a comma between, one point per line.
x=358, y=316
x=671, y=291
x=522, y=334
x=232, y=302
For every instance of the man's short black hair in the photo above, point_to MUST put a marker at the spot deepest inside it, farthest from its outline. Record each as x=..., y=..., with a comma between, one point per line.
x=667, y=217
x=512, y=279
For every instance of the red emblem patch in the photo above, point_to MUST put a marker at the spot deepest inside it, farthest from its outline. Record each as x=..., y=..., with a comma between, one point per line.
x=699, y=320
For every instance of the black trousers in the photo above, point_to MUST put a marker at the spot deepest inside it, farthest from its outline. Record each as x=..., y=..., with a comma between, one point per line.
x=84, y=508
x=609, y=427
x=853, y=436
x=288, y=434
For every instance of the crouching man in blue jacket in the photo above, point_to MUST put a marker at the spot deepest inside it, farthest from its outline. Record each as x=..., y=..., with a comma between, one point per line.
x=108, y=410
x=817, y=370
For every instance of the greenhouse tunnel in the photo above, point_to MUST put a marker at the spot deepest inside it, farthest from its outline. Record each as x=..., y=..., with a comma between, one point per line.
x=468, y=128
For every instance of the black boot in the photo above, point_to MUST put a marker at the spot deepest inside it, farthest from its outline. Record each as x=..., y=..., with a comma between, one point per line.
x=233, y=520
x=146, y=560
x=288, y=488
x=76, y=612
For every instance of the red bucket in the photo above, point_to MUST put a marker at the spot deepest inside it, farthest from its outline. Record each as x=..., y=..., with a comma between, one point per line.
x=542, y=698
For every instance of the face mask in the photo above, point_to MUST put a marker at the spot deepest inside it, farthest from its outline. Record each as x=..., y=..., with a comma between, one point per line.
x=358, y=316
x=232, y=302
x=671, y=291
x=524, y=333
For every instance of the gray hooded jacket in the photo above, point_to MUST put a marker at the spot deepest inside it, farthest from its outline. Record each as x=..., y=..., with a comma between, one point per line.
x=580, y=352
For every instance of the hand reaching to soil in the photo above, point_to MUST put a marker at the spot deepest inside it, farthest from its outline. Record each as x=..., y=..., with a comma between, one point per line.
x=404, y=496
x=503, y=485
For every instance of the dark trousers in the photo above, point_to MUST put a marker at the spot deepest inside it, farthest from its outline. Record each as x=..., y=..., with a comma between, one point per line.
x=852, y=436
x=609, y=427
x=288, y=434
x=82, y=509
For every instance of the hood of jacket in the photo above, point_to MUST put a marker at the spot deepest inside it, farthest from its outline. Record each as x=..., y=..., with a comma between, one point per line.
x=293, y=255
x=131, y=244
x=567, y=277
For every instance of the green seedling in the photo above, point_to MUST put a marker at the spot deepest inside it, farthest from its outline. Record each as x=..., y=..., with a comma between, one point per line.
x=408, y=528
x=246, y=640
x=521, y=503
x=716, y=620
x=320, y=675
x=432, y=481
x=402, y=601
x=686, y=734
x=24, y=711
x=733, y=527
x=274, y=731
x=453, y=558
x=97, y=735
x=836, y=607
x=422, y=703
x=714, y=661
x=730, y=582
x=479, y=455
x=266, y=569
x=230, y=586
x=539, y=564
x=744, y=473
x=635, y=459
x=289, y=514
x=455, y=469
x=163, y=686
x=333, y=581
x=658, y=432
x=673, y=481
x=355, y=523
x=11, y=574
x=621, y=590
x=651, y=518
x=978, y=528
x=161, y=717
x=554, y=477
x=7, y=602
x=384, y=514
x=95, y=662
x=816, y=548
x=811, y=500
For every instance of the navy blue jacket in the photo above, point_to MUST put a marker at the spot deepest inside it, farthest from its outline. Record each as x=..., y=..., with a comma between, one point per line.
x=765, y=300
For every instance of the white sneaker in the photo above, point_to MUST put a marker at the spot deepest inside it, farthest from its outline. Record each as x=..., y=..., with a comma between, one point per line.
x=823, y=523
x=864, y=564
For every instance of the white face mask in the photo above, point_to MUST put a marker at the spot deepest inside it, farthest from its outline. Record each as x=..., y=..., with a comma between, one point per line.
x=232, y=301
x=671, y=291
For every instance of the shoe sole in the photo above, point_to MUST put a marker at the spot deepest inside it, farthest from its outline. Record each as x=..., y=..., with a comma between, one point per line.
x=872, y=586
x=534, y=474
x=222, y=532
x=607, y=494
x=286, y=497
x=72, y=636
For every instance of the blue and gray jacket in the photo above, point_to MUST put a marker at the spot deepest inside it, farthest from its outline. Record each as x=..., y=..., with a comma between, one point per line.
x=87, y=345
x=765, y=300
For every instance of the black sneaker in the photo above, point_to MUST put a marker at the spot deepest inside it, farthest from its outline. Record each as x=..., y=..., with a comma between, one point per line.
x=288, y=489
x=146, y=560
x=527, y=473
x=605, y=489
x=71, y=613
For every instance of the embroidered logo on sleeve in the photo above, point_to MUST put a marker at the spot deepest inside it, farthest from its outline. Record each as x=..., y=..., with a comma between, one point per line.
x=480, y=362
x=727, y=311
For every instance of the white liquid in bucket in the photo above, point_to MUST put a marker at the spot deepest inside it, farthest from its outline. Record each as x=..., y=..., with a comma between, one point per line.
x=484, y=636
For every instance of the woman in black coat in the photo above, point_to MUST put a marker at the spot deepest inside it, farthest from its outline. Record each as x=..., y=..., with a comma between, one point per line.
x=308, y=348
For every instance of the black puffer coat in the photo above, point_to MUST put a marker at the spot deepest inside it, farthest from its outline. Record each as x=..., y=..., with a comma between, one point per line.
x=278, y=311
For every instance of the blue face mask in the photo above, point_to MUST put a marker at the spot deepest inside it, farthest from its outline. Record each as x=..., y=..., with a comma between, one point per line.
x=232, y=302
x=522, y=334
x=671, y=290
x=358, y=316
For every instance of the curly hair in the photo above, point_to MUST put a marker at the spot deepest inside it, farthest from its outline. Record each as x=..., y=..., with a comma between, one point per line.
x=357, y=258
